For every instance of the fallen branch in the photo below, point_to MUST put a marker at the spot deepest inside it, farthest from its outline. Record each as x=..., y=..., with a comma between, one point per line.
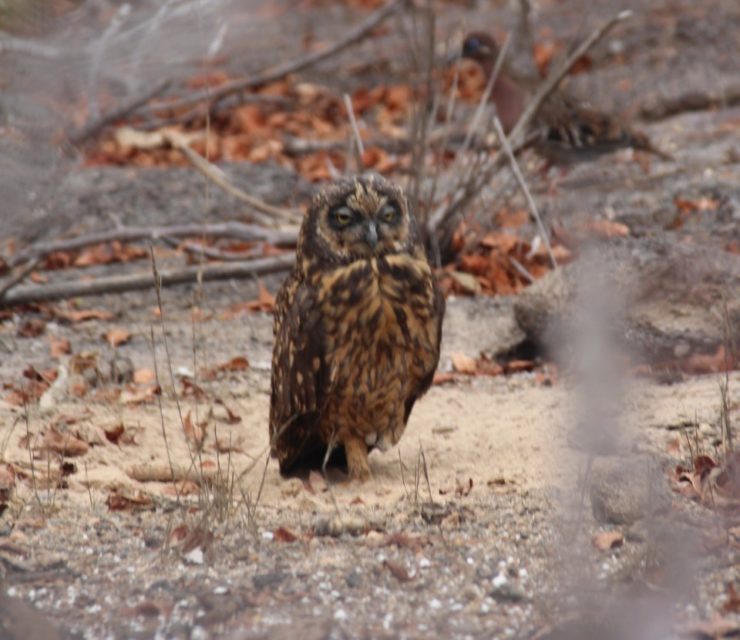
x=93, y=128
x=10, y=44
x=692, y=100
x=201, y=250
x=238, y=230
x=119, y=284
x=353, y=36
x=19, y=277
x=161, y=472
x=525, y=189
x=218, y=177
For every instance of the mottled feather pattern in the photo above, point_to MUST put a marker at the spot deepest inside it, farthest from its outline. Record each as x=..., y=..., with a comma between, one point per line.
x=357, y=328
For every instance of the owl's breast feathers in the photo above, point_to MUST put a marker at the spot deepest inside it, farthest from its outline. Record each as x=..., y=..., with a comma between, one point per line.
x=360, y=345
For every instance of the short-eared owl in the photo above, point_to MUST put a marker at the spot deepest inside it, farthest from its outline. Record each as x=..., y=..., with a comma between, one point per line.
x=357, y=328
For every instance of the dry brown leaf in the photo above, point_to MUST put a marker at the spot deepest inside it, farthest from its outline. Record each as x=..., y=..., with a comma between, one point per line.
x=442, y=378
x=31, y=328
x=7, y=482
x=63, y=443
x=59, y=347
x=87, y=314
x=406, y=541
x=605, y=540
x=397, y=570
x=281, y=534
x=687, y=205
x=144, y=376
x=715, y=628
x=517, y=366
x=117, y=336
x=503, y=242
x=605, y=229
x=182, y=488
x=140, y=396
x=132, y=502
x=464, y=364
x=228, y=444
x=543, y=53
x=194, y=432
x=466, y=281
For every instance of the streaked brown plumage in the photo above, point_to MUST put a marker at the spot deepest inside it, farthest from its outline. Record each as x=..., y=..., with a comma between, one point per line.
x=357, y=328
x=565, y=130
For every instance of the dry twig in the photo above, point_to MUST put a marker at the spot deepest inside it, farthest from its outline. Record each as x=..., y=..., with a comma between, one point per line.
x=218, y=177
x=352, y=37
x=91, y=129
x=118, y=284
x=356, y=140
x=525, y=190
x=238, y=230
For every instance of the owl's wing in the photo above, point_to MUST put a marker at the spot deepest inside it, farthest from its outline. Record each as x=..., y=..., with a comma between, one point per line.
x=298, y=374
x=427, y=377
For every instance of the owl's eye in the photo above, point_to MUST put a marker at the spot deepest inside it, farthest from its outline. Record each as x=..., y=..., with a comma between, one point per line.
x=388, y=214
x=342, y=216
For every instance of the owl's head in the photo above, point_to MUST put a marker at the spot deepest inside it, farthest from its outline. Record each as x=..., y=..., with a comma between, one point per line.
x=357, y=218
x=480, y=47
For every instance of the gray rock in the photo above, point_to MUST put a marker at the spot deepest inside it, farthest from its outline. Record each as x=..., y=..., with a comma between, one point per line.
x=673, y=296
x=624, y=490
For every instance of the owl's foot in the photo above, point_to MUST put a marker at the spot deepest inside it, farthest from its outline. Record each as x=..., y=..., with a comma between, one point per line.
x=356, y=451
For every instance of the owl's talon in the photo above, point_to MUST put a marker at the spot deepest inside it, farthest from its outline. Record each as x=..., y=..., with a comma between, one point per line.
x=357, y=464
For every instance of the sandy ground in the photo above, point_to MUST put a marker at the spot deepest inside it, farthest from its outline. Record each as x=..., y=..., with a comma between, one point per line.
x=484, y=548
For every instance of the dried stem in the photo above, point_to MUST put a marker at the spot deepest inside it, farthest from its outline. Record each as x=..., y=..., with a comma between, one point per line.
x=117, y=284
x=352, y=37
x=357, y=147
x=218, y=177
x=91, y=129
x=236, y=230
x=525, y=189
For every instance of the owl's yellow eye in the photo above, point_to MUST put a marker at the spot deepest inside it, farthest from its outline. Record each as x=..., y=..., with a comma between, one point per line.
x=388, y=214
x=341, y=216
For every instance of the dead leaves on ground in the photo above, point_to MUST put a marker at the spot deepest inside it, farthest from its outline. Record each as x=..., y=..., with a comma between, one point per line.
x=713, y=484
x=260, y=133
x=501, y=264
x=129, y=501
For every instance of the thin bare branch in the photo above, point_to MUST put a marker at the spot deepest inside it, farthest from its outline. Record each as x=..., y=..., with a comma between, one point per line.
x=525, y=189
x=19, y=277
x=352, y=37
x=91, y=129
x=218, y=177
x=10, y=44
x=238, y=230
x=118, y=284
x=358, y=147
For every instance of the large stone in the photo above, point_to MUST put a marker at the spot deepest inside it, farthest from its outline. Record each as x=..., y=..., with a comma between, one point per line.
x=624, y=490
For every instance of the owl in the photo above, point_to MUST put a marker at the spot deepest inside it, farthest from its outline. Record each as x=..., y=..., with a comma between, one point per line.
x=357, y=329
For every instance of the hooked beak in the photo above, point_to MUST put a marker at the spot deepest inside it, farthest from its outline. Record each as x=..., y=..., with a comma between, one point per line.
x=371, y=235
